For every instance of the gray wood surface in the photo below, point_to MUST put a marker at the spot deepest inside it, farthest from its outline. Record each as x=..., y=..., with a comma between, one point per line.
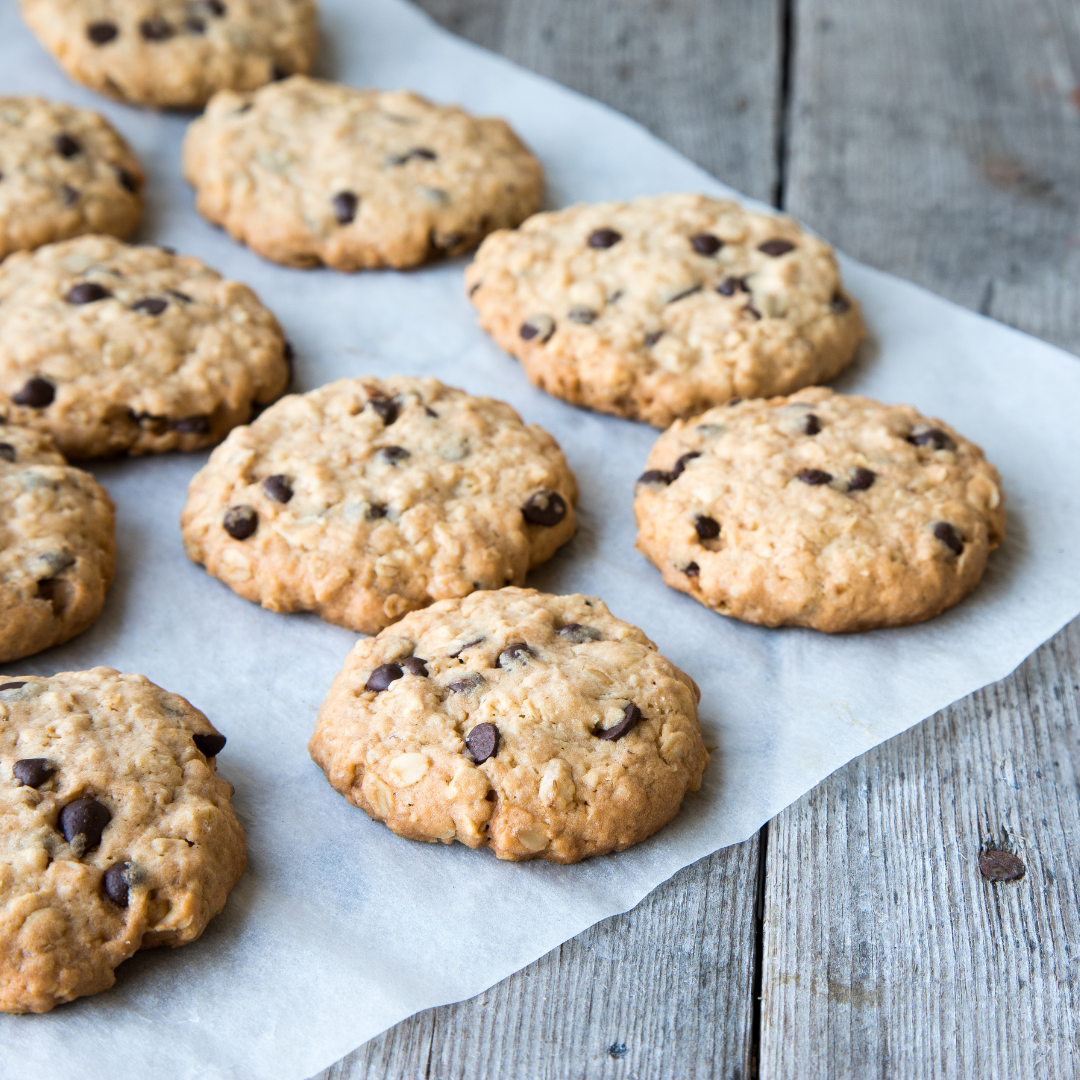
x=939, y=140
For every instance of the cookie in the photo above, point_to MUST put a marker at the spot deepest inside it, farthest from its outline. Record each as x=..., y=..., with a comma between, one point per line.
x=57, y=546
x=307, y=172
x=116, y=832
x=665, y=306
x=175, y=53
x=821, y=510
x=369, y=498
x=539, y=726
x=63, y=172
x=119, y=349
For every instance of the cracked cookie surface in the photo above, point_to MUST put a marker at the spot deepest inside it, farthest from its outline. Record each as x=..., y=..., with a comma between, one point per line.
x=175, y=53
x=369, y=498
x=113, y=348
x=307, y=172
x=820, y=509
x=540, y=726
x=57, y=546
x=116, y=834
x=63, y=172
x=662, y=307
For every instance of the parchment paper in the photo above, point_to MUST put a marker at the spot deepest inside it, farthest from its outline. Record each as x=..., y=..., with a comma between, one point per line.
x=340, y=929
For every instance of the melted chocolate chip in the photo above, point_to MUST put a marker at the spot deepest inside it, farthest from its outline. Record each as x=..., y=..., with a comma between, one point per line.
x=36, y=394
x=752, y=312
x=114, y=883
x=32, y=771
x=811, y=424
x=278, y=488
x=948, y=535
x=86, y=292
x=631, y=716
x=544, y=508
x=483, y=742
x=652, y=338
x=680, y=465
x=996, y=865
x=578, y=634
x=604, y=238
x=155, y=29
x=240, y=522
x=70, y=195
x=150, y=305
x=467, y=645
x=685, y=293
x=84, y=817
x=66, y=146
x=345, y=204
x=728, y=287
x=180, y=296
x=513, y=653
x=127, y=180
x=215, y=7
x=706, y=244
x=386, y=408
x=692, y=569
x=860, y=479
x=707, y=528
x=393, y=453
x=192, y=425
x=101, y=33
x=469, y=682
x=931, y=436
x=374, y=512
x=583, y=316
x=776, y=248
x=814, y=477
x=840, y=304
x=381, y=678
x=655, y=476
x=539, y=328
x=7, y=452
x=209, y=745
x=414, y=666
x=11, y=686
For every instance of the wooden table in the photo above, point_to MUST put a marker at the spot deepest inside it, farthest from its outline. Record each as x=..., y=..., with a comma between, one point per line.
x=854, y=935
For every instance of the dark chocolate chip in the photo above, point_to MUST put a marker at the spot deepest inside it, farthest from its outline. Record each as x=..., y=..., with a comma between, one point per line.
x=685, y=293
x=581, y=315
x=32, y=771
x=814, y=477
x=36, y=394
x=996, y=865
x=728, y=286
x=115, y=883
x=86, y=292
x=483, y=742
x=752, y=311
x=374, y=512
x=151, y=305
x=393, y=453
x=578, y=634
x=155, y=29
x=776, y=248
x=66, y=146
x=474, y=287
x=707, y=528
x=706, y=244
x=209, y=745
x=240, y=522
x=735, y=401
x=840, y=303
x=70, y=195
x=811, y=424
x=345, y=204
x=101, y=33
x=948, y=535
x=680, y=465
x=692, y=569
x=192, y=425
x=931, y=436
x=423, y=153
x=194, y=25
x=278, y=488
x=512, y=653
x=277, y=73
x=216, y=7
x=127, y=180
x=7, y=452
x=413, y=665
x=180, y=295
x=381, y=678
x=544, y=508
x=386, y=408
x=652, y=338
x=538, y=328
x=11, y=686
x=467, y=645
x=469, y=682
x=604, y=238
x=655, y=476
x=631, y=716
x=860, y=479
x=84, y=817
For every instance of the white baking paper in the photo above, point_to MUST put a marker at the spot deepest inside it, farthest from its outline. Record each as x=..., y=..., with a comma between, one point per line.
x=340, y=929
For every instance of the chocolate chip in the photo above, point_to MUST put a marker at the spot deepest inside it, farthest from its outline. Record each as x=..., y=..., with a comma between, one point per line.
x=180, y=296
x=996, y=865
x=32, y=771
x=581, y=315
x=101, y=33
x=752, y=311
x=469, y=682
x=36, y=394
x=811, y=424
x=931, y=436
x=840, y=303
x=728, y=286
x=386, y=408
x=604, y=238
x=11, y=686
x=685, y=293
x=578, y=634
x=192, y=425
x=414, y=666
x=374, y=512
x=860, y=479
x=814, y=477
x=216, y=7
x=240, y=522
x=115, y=883
x=692, y=569
x=652, y=338
x=194, y=25
x=70, y=195
x=544, y=508
x=538, y=328
x=151, y=305
x=381, y=678
x=467, y=645
x=155, y=29
x=655, y=476
x=209, y=745
x=631, y=715
x=66, y=146
x=277, y=73
x=706, y=244
x=473, y=288
x=483, y=742
x=423, y=153
x=948, y=535
x=278, y=488
x=127, y=180
x=86, y=292
x=680, y=465
x=707, y=528
x=419, y=153
x=776, y=248
x=345, y=204
x=393, y=453
x=513, y=653
x=85, y=818
x=735, y=401
x=7, y=452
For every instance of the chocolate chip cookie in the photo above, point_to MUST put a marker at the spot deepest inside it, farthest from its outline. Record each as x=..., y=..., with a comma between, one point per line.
x=539, y=726
x=63, y=172
x=307, y=172
x=175, y=53
x=821, y=510
x=369, y=498
x=119, y=349
x=116, y=832
x=665, y=306
x=57, y=547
